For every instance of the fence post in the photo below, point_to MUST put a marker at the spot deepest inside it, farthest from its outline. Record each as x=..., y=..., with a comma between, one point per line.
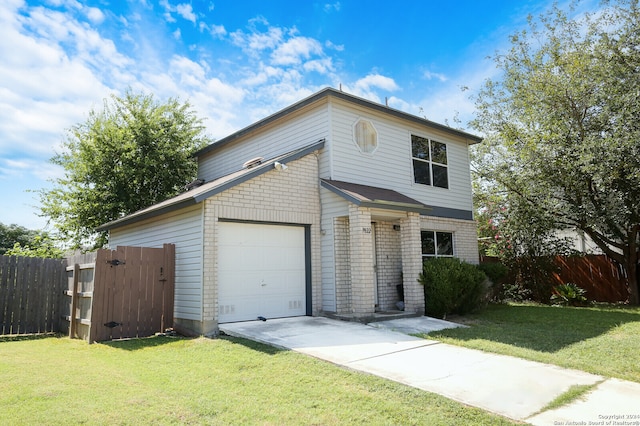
x=74, y=301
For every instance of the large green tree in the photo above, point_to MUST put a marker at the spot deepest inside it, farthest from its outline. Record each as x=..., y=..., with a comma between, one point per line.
x=562, y=126
x=14, y=237
x=133, y=153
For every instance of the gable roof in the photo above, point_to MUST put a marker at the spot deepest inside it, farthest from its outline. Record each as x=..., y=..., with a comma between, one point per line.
x=374, y=197
x=330, y=92
x=209, y=189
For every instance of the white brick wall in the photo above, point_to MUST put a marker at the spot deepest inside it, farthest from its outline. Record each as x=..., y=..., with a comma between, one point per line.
x=361, y=258
x=411, y=262
x=289, y=196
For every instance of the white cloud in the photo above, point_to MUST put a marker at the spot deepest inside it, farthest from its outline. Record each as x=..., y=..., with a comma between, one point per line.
x=322, y=66
x=186, y=11
x=434, y=75
x=336, y=47
x=177, y=34
x=330, y=7
x=94, y=14
x=256, y=41
x=217, y=30
x=294, y=50
x=369, y=87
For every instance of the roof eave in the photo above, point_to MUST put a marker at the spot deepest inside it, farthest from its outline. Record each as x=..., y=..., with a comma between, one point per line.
x=200, y=196
x=377, y=204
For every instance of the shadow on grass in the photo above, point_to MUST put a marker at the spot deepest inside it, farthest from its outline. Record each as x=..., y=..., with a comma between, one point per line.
x=135, y=344
x=253, y=345
x=22, y=337
x=538, y=327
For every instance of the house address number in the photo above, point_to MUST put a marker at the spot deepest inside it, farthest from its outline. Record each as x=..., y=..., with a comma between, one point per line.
x=366, y=229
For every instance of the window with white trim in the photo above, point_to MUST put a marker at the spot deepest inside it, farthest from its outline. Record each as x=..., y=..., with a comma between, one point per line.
x=429, y=162
x=365, y=136
x=436, y=244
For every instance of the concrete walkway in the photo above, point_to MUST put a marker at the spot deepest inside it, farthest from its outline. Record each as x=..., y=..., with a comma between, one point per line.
x=505, y=385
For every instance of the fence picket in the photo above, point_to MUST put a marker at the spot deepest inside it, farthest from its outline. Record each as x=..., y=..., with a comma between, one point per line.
x=137, y=294
x=29, y=295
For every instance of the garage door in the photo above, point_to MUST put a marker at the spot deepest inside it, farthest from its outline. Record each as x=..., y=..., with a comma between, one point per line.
x=261, y=271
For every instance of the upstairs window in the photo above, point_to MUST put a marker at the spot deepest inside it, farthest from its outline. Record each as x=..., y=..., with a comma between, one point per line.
x=429, y=162
x=436, y=244
x=365, y=136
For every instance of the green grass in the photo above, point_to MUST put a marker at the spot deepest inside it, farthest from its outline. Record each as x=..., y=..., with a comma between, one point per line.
x=600, y=340
x=574, y=393
x=165, y=380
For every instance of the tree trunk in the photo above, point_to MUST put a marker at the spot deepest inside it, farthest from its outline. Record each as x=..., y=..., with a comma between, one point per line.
x=633, y=279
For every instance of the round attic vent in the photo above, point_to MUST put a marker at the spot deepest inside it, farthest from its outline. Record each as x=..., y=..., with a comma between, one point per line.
x=252, y=163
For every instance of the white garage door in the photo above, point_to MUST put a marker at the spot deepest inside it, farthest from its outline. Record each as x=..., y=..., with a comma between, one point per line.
x=261, y=271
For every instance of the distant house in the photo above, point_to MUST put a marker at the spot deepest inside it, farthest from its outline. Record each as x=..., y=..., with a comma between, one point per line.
x=579, y=241
x=327, y=207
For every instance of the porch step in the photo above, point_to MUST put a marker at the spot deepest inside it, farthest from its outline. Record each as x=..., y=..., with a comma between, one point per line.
x=372, y=317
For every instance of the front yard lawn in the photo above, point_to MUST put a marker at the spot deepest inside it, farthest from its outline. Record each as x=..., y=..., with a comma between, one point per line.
x=165, y=380
x=600, y=340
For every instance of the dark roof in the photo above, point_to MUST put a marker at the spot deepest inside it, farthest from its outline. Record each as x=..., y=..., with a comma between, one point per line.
x=325, y=93
x=209, y=189
x=371, y=196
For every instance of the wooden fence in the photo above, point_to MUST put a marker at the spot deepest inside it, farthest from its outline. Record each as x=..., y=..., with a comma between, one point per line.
x=108, y=294
x=602, y=278
x=30, y=291
x=123, y=293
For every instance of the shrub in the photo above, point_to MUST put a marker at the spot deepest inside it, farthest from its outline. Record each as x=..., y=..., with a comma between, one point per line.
x=496, y=273
x=514, y=293
x=569, y=294
x=451, y=287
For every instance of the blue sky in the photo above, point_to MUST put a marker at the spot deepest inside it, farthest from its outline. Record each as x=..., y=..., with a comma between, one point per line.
x=234, y=61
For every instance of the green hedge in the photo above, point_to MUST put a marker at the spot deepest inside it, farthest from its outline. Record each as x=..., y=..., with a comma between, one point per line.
x=452, y=286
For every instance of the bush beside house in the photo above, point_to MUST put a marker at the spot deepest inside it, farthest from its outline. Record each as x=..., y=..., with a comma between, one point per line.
x=452, y=286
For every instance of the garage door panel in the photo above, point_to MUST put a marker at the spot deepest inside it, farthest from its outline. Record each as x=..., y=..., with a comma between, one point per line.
x=261, y=271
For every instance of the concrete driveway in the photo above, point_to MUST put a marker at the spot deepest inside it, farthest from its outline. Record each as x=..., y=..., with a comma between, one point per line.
x=509, y=386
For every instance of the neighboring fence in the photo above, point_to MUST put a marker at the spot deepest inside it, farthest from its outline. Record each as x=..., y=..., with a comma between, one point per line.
x=30, y=291
x=602, y=278
x=122, y=293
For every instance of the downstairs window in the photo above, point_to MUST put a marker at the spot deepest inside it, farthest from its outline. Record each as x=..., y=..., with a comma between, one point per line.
x=436, y=244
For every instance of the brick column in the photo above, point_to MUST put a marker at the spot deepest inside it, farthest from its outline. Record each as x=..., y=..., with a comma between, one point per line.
x=410, y=248
x=361, y=251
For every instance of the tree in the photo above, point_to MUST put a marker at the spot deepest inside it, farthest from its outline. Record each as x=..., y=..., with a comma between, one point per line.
x=133, y=153
x=41, y=246
x=12, y=234
x=17, y=240
x=563, y=128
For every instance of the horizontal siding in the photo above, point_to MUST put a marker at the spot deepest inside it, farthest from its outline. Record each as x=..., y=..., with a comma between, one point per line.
x=184, y=229
x=299, y=130
x=390, y=166
x=332, y=206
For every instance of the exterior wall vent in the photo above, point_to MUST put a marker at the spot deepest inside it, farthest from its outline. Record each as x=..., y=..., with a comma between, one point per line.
x=194, y=184
x=252, y=163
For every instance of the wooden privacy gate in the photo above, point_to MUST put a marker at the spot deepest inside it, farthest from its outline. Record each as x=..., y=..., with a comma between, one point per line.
x=127, y=292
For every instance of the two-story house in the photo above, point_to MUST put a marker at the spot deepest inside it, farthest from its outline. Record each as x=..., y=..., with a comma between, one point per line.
x=328, y=207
